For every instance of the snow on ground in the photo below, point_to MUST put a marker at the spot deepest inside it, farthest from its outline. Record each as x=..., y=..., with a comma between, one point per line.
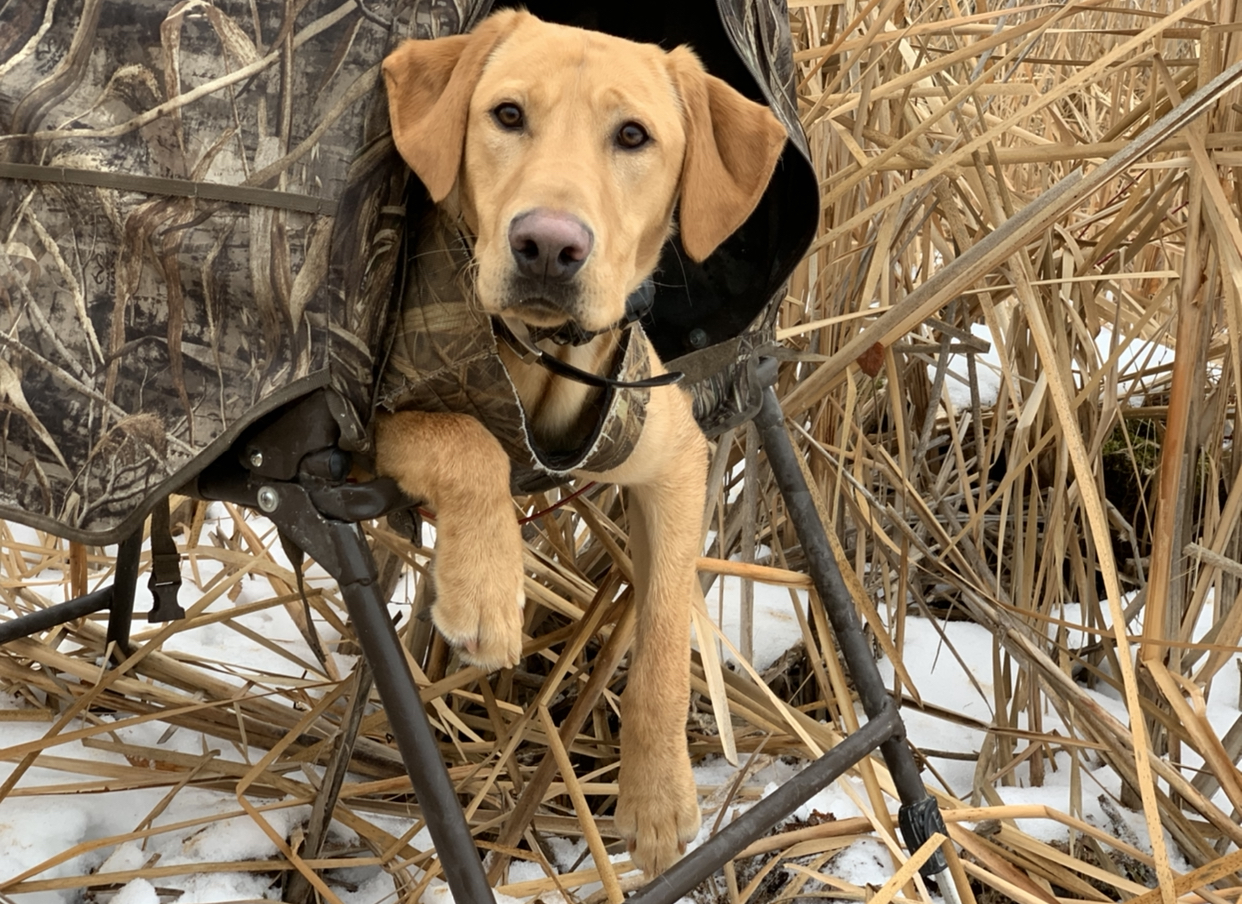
x=35, y=829
x=776, y=625
x=1131, y=357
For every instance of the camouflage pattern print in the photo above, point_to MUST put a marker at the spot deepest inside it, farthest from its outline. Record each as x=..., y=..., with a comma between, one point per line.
x=141, y=328
x=760, y=35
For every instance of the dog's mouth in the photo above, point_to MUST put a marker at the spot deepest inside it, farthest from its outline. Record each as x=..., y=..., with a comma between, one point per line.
x=537, y=312
x=551, y=318
x=541, y=304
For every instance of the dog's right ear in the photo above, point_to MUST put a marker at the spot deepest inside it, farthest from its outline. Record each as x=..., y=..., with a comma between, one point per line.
x=430, y=84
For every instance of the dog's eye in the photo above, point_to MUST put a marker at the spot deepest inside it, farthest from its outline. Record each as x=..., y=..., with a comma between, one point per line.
x=509, y=116
x=632, y=135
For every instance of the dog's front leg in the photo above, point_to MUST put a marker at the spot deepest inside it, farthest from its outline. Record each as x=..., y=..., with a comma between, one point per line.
x=657, y=810
x=451, y=461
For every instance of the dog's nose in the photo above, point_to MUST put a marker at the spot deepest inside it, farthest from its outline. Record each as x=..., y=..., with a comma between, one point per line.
x=548, y=244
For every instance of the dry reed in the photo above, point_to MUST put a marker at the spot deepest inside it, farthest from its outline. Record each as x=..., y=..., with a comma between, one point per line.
x=1089, y=478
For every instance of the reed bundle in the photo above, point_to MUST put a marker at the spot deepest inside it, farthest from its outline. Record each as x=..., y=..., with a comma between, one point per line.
x=1012, y=363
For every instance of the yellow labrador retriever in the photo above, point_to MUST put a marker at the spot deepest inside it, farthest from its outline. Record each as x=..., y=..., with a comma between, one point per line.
x=565, y=153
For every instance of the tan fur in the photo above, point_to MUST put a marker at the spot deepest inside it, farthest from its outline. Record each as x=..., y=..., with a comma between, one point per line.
x=713, y=151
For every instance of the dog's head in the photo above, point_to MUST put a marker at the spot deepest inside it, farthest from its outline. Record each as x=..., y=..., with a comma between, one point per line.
x=570, y=150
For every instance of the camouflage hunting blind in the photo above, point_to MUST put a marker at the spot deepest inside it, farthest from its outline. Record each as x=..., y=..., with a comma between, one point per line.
x=202, y=219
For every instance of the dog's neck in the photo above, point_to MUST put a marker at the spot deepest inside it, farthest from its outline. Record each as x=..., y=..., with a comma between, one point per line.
x=555, y=406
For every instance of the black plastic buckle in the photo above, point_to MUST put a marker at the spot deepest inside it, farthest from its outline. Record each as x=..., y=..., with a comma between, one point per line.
x=919, y=821
x=165, y=579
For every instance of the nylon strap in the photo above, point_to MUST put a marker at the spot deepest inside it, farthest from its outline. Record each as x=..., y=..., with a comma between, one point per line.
x=297, y=557
x=165, y=567
x=517, y=334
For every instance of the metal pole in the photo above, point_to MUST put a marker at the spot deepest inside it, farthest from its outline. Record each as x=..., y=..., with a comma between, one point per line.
x=919, y=816
x=124, y=584
x=341, y=549
x=408, y=722
x=34, y=622
x=682, y=877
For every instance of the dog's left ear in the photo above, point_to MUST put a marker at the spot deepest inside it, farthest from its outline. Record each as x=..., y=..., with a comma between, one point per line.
x=732, y=145
x=430, y=84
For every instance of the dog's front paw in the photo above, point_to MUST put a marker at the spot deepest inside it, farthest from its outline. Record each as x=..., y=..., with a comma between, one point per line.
x=657, y=813
x=480, y=593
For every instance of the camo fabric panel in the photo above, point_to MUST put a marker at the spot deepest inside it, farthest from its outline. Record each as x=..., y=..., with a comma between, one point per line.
x=140, y=331
x=760, y=35
x=444, y=358
x=722, y=380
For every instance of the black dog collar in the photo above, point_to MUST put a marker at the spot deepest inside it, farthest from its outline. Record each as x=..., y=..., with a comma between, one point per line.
x=522, y=339
x=518, y=335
